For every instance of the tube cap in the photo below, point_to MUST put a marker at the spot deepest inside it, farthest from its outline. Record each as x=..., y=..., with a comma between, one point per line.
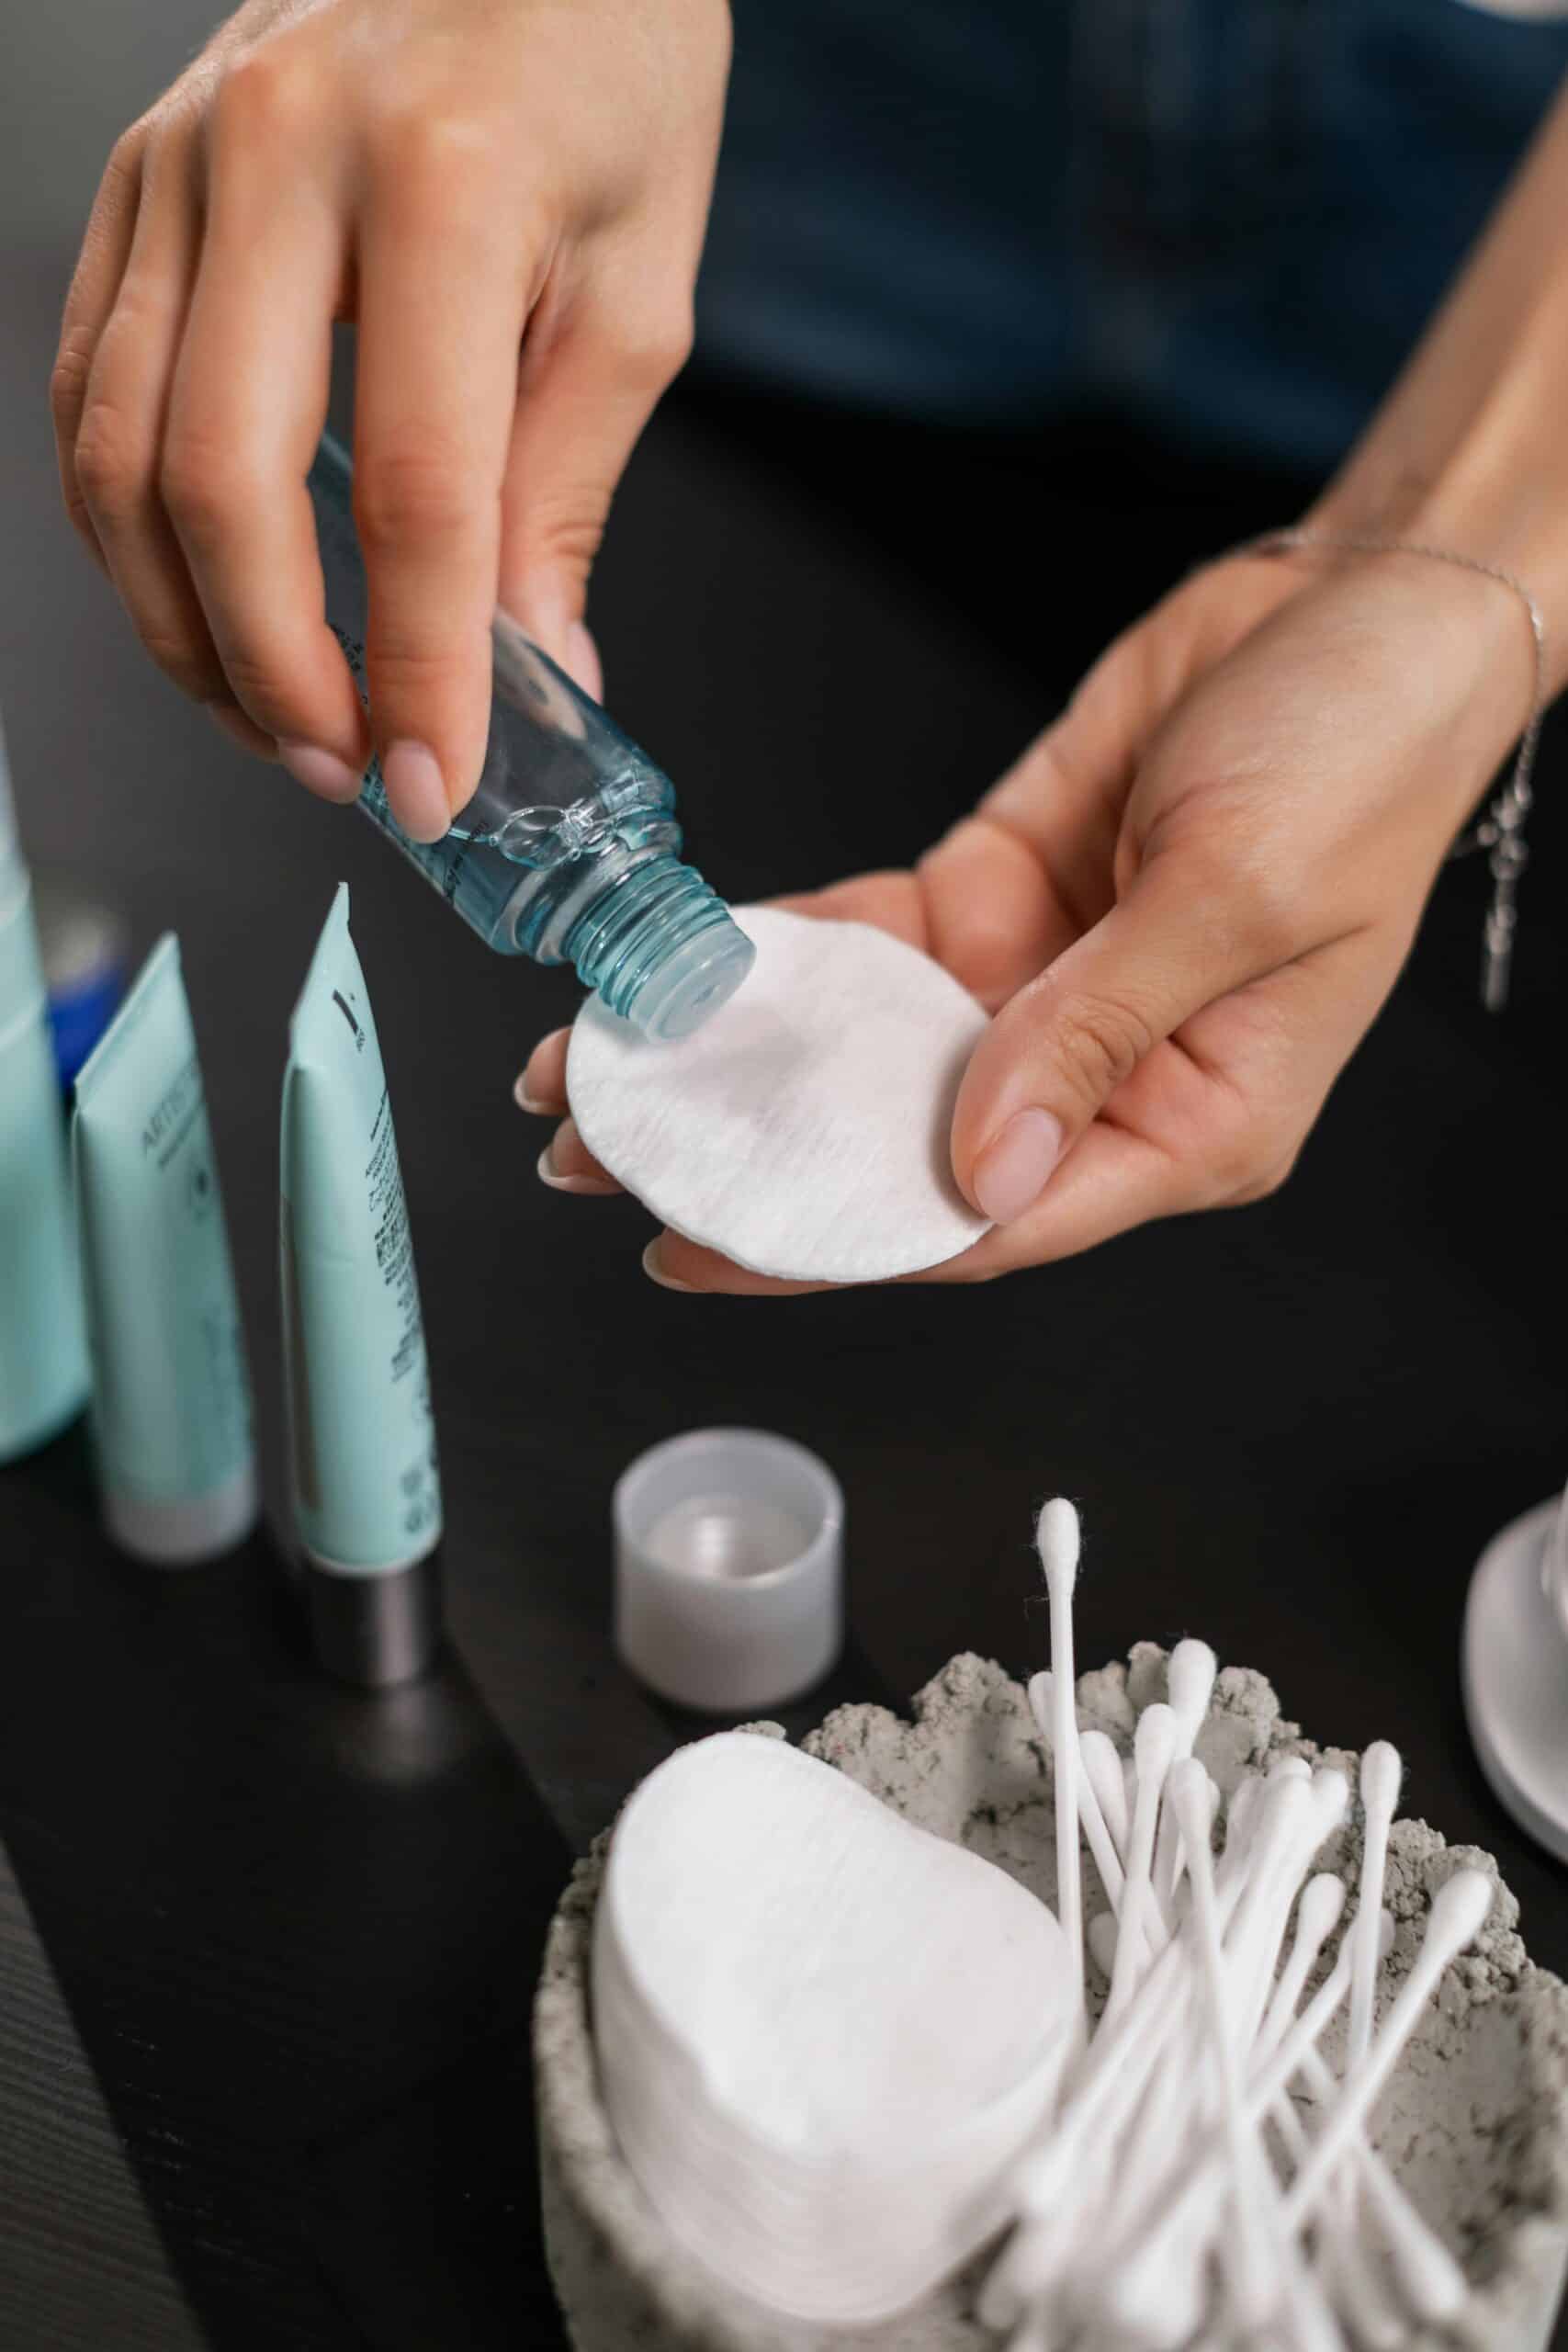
x=188, y=1531
x=374, y=1630
x=729, y=1569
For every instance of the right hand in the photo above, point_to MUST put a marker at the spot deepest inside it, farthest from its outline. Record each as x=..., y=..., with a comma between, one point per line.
x=508, y=197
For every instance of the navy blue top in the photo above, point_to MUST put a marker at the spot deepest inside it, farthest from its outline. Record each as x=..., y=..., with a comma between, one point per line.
x=1232, y=216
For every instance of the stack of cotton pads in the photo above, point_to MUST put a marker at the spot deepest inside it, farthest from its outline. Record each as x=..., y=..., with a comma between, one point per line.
x=824, y=2035
x=804, y=1131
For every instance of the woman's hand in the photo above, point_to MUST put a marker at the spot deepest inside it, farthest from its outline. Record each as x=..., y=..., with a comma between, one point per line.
x=1187, y=902
x=508, y=196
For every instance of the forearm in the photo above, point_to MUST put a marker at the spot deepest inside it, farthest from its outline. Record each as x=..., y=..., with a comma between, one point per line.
x=1469, y=450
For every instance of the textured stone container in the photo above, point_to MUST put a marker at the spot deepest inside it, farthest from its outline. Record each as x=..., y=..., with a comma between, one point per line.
x=1475, y=2122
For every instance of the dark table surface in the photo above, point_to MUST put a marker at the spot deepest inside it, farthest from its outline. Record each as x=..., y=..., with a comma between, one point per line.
x=267, y=1948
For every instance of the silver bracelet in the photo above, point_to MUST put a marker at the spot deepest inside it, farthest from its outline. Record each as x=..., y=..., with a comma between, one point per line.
x=1501, y=830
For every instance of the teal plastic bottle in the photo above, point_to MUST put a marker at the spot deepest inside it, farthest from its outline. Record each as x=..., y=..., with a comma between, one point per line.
x=43, y=1344
x=569, y=851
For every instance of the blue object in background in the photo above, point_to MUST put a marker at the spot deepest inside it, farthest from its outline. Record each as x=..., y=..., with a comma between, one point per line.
x=84, y=949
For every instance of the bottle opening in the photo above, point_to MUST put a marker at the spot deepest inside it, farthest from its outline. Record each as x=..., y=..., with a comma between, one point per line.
x=661, y=949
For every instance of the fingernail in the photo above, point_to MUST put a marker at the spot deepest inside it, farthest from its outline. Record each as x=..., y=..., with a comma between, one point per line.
x=1010, y=1172
x=522, y=1099
x=653, y=1267
x=319, y=771
x=416, y=789
x=583, y=661
x=558, y=1183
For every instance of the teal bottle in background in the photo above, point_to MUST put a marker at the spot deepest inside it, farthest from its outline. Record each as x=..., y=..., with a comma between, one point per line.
x=43, y=1347
x=171, y=1394
x=569, y=850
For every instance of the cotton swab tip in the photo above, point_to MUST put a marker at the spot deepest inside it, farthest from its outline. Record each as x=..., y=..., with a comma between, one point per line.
x=1381, y=1772
x=1102, y=1942
x=1460, y=1909
x=1190, y=1680
x=1153, y=1742
x=1331, y=1798
x=1321, y=1908
x=1040, y=1702
x=1056, y=1539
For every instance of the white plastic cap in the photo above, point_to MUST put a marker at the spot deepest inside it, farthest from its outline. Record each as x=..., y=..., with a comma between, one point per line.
x=729, y=1569
x=188, y=1531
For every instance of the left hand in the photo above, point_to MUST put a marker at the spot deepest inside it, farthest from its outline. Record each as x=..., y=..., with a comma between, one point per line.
x=1187, y=901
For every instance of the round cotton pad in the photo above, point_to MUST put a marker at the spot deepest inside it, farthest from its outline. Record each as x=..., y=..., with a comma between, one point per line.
x=804, y=1131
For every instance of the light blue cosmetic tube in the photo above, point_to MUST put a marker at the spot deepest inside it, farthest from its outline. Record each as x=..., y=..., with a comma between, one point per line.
x=43, y=1347
x=367, y=1490
x=171, y=1400
x=9, y=852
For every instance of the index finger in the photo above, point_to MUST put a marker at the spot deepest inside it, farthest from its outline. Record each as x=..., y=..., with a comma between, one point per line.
x=442, y=301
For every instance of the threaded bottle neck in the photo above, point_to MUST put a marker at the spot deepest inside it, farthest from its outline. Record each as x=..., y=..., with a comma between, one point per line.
x=659, y=947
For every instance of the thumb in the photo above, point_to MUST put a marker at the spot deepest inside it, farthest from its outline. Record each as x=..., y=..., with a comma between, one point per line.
x=1058, y=1050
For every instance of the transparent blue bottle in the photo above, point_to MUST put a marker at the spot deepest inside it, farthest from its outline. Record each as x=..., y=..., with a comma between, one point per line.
x=569, y=850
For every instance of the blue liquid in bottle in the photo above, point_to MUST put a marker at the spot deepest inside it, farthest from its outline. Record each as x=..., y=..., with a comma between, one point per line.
x=569, y=851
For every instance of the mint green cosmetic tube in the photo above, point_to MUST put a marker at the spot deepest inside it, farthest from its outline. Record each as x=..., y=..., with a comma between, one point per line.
x=9, y=852
x=367, y=1490
x=43, y=1347
x=171, y=1400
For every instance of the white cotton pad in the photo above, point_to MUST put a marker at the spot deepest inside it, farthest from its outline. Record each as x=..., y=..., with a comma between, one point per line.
x=804, y=1131
x=824, y=2035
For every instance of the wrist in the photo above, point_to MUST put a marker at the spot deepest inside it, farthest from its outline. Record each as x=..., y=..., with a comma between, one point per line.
x=1468, y=452
x=1453, y=642
x=1480, y=635
x=1500, y=535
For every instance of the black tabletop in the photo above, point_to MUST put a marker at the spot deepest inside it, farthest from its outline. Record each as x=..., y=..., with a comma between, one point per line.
x=266, y=1963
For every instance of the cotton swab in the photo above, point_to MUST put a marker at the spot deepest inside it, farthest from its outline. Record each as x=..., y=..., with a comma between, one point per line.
x=1429, y=2277
x=1267, y=2080
x=1102, y=1943
x=1103, y=1768
x=1271, y=2075
x=1154, y=1743
x=1122, y=2210
x=1255, y=2253
x=1049, y=2186
x=1379, y=1780
x=1318, y=1912
x=1056, y=1537
x=1459, y=1913
x=1190, y=1676
x=1102, y=1845
x=1241, y=1819
x=1380, y=1774
x=1264, y=1926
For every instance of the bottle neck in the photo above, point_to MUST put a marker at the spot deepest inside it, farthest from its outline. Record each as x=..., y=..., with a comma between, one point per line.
x=650, y=937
